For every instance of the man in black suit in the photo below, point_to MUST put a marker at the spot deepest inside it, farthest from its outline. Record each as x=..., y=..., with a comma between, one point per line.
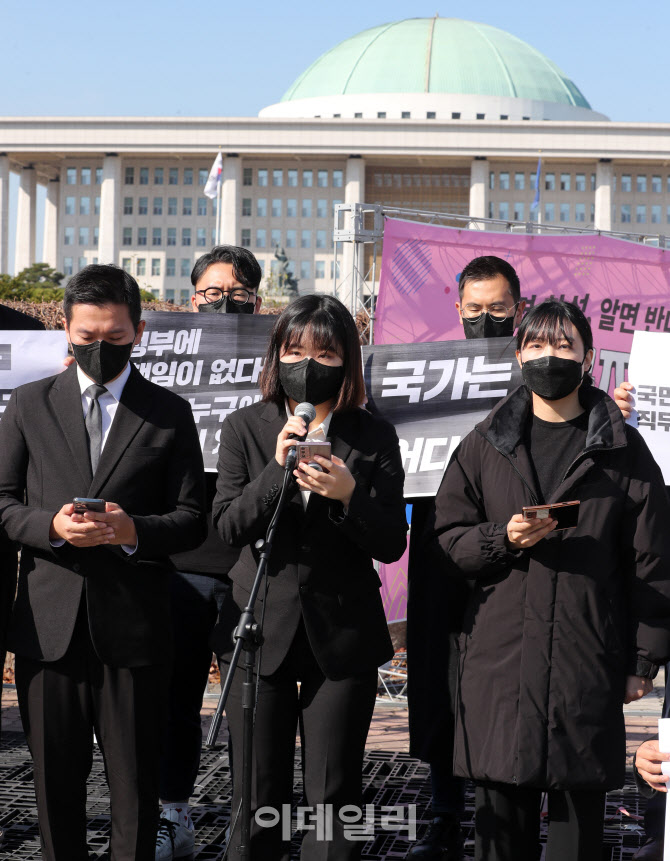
x=11, y=320
x=91, y=623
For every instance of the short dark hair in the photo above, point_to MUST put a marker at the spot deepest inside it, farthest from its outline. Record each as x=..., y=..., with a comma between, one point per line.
x=328, y=323
x=100, y=284
x=246, y=268
x=484, y=268
x=547, y=322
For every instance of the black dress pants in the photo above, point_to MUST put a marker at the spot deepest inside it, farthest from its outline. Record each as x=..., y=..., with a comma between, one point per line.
x=334, y=718
x=62, y=703
x=507, y=824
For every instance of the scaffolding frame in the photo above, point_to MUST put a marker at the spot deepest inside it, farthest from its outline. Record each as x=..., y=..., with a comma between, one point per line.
x=361, y=224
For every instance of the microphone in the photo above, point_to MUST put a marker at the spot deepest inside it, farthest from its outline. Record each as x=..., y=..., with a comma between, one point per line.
x=307, y=413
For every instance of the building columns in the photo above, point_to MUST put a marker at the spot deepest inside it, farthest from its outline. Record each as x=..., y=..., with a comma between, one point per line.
x=354, y=192
x=231, y=178
x=478, y=186
x=50, y=247
x=108, y=242
x=603, y=201
x=26, y=220
x=4, y=213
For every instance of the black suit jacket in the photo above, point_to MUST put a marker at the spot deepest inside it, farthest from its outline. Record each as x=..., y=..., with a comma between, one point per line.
x=151, y=466
x=15, y=320
x=321, y=566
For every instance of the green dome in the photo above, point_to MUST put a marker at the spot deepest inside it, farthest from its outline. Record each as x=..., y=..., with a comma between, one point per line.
x=436, y=55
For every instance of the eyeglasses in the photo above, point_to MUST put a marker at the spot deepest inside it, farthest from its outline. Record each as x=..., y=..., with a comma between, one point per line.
x=497, y=315
x=239, y=295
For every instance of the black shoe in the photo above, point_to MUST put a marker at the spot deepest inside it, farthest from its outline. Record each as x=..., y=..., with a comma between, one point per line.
x=652, y=850
x=442, y=842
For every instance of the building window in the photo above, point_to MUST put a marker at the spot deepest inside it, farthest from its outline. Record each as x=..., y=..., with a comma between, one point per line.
x=358, y=116
x=127, y=236
x=201, y=237
x=260, y=238
x=667, y=215
x=306, y=239
x=83, y=235
x=305, y=269
x=157, y=236
x=430, y=115
x=405, y=115
x=455, y=115
x=519, y=181
x=71, y=176
x=173, y=176
x=85, y=206
x=155, y=266
x=292, y=178
x=262, y=177
x=185, y=267
x=172, y=236
x=86, y=176
x=67, y=266
x=125, y=264
x=188, y=176
x=322, y=179
x=277, y=178
x=261, y=207
x=158, y=205
x=338, y=178
x=565, y=182
x=169, y=294
x=202, y=206
x=334, y=271
x=491, y=209
x=98, y=176
x=276, y=207
x=656, y=214
x=503, y=211
x=69, y=236
x=275, y=238
x=320, y=238
x=319, y=269
x=170, y=266
x=503, y=180
x=519, y=212
x=143, y=206
x=81, y=263
x=550, y=182
x=626, y=182
x=564, y=212
x=656, y=184
x=291, y=240
x=307, y=178
x=291, y=207
x=172, y=206
x=248, y=176
x=641, y=183
x=492, y=179
x=203, y=176
x=593, y=182
x=641, y=213
x=144, y=176
x=307, y=208
x=321, y=208
x=580, y=182
x=158, y=176
x=246, y=238
x=549, y=214
x=246, y=206
x=186, y=236
x=187, y=206
x=70, y=205
x=141, y=236
x=381, y=115
x=96, y=206
x=625, y=213
x=96, y=237
x=141, y=267
x=580, y=212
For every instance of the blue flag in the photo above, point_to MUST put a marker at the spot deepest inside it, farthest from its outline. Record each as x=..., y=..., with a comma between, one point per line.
x=536, y=201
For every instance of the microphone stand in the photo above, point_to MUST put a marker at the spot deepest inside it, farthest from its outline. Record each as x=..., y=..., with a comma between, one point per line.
x=248, y=638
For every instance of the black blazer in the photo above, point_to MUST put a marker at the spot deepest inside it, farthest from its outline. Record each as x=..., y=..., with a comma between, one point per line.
x=151, y=466
x=14, y=320
x=321, y=566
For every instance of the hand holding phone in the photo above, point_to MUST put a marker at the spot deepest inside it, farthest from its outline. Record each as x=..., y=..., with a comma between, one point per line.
x=566, y=514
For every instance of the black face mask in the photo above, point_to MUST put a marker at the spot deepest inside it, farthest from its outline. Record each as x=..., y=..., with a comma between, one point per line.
x=551, y=377
x=102, y=361
x=484, y=327
x=310, y=381
x=225, y=305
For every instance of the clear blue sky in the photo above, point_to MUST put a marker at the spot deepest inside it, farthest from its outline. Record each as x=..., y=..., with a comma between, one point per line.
x=147, y=58
x=201, y=58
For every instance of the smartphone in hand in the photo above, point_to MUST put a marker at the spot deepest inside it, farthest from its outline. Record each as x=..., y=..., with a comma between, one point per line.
x=565, y=513
x=84, y=503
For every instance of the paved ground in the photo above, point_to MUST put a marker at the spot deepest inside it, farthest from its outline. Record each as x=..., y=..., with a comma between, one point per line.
x=391, y=779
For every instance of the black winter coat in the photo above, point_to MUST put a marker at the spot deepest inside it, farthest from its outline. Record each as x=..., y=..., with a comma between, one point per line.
x=550, y=633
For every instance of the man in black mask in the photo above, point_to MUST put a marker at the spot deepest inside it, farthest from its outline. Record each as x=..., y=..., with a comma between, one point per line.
x=489, y=306
x=91, y=624
x=226, y=281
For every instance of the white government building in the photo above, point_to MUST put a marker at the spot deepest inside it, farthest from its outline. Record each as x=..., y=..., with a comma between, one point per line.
x=434, y=114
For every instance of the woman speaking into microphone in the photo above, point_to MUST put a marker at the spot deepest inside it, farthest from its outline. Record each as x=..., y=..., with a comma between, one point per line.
x=324, y=628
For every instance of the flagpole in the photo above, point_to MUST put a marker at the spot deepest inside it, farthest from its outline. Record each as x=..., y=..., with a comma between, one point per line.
x=219, y=214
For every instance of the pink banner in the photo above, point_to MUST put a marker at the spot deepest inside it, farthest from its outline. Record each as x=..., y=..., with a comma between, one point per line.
x=621, y=286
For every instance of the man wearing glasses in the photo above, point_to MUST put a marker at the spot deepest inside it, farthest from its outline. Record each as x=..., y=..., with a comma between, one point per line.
x=225, y=281
x=489, y=306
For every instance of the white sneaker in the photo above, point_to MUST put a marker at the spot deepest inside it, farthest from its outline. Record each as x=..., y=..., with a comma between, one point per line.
x=173, y=841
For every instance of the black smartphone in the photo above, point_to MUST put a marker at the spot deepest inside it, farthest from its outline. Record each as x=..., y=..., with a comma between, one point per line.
x=83, y=503
x=565, y=513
